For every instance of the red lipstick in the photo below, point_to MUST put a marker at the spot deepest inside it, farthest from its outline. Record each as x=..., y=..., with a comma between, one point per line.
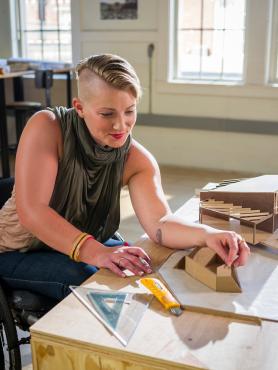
x=117, y=136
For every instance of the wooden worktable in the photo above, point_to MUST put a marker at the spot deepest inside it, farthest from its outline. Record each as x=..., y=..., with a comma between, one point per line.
x=70, y=337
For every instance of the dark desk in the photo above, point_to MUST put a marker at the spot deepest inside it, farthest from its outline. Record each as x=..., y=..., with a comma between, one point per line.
x=67, y=72
x=18, y=92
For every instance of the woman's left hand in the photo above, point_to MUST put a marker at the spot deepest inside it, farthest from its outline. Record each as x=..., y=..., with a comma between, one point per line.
x=230, y=246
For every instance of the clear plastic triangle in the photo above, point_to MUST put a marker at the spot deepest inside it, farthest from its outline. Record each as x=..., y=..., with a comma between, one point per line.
x=120, y=312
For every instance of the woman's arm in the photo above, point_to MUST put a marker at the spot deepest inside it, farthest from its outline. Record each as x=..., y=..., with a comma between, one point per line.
x=37, y=161
x=161, y=225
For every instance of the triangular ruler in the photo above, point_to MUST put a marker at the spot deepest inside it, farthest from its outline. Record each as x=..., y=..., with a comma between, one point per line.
x=108, y=305
x=119, y=312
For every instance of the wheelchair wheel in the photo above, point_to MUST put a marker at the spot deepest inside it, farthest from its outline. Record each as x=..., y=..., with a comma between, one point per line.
x=9, y=347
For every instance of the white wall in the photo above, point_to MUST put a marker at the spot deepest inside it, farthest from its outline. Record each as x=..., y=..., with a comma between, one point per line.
x=253, y=101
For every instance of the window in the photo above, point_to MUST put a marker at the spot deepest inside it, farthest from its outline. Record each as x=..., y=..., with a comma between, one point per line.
x=45, y=29
x=209, y=40
x=273, y=68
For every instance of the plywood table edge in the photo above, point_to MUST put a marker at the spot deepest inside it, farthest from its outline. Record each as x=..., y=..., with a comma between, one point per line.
x=117, y=354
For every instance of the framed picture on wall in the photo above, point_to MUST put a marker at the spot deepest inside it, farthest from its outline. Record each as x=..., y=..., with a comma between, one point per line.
x=118, y=9
x=119, y=15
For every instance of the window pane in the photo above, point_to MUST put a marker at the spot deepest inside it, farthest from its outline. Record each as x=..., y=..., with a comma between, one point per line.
x=189, y=55
x=211, y=67
x=34, y=42
x=51, y=48
x=51, y=52
x=213, y=14
x=52, y=18
x=65, y=46
x=235, y=14
x=233, y=46
x=216, y=50
x=51, y=15
x=64, y=15
x=189, y=14
x=31, y=14
x=66, y=53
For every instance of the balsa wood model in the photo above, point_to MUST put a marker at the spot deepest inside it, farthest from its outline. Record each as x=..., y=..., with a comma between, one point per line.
x=206, y=266
x=253, y=203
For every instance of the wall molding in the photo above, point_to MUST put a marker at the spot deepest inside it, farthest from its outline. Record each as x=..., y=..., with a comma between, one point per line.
x=209, y=124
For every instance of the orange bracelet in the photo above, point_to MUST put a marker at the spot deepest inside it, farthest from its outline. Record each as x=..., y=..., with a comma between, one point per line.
x=76, y=242
x=78, y=247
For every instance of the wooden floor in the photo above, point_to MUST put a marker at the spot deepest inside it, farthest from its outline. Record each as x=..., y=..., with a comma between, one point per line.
x=179, y=185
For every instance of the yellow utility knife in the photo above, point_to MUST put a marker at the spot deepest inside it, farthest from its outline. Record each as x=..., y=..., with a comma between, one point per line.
x=158, y=289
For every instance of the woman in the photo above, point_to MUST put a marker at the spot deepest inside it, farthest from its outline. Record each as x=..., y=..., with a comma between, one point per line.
x=70, y=167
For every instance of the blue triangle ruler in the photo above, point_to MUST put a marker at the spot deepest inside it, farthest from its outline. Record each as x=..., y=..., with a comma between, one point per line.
x=108, y=305
x=119, y=312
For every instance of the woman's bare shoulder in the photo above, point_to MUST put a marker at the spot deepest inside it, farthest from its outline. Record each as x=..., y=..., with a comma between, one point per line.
x=44, y=119
x=42, y=128
x=139, y=159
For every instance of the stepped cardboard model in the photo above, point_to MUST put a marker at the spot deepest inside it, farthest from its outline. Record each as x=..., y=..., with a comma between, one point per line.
x=253, y=203
x=206, y=266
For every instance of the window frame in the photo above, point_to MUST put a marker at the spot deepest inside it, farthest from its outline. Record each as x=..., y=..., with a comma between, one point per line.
x=175, y=73
x=273, y=50
x=21, y=31
x=256, y=65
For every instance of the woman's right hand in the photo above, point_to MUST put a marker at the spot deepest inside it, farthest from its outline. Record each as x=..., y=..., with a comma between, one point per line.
x=116, y=259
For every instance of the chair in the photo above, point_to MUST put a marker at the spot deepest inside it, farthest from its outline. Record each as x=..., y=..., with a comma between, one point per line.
x=18, y=308
x=24, y=109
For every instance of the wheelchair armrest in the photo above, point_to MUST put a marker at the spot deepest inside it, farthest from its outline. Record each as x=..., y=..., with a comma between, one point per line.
x=28, y=301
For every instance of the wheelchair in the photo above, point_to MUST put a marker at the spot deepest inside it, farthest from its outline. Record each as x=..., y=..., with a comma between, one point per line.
x=18, y=308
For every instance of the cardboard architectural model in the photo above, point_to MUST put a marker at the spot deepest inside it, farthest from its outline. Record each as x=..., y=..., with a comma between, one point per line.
x=206, y=266
x=253, y=202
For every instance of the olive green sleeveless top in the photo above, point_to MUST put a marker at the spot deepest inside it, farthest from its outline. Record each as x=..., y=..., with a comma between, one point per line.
x=89, y=180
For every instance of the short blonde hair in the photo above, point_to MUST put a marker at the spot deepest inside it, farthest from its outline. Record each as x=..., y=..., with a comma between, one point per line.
x=114, y=70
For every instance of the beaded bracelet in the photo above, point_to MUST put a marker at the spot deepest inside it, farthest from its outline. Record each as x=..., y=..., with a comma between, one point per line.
x=78, y=247
x=76, y=242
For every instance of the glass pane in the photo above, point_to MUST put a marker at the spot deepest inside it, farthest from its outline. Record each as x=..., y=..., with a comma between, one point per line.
x=189, y=14
x=233, y=55
x=64, y=15
x=65, y=38
x=65, y=46
x=31, y=15
x=215, y=52
x=50, y=45
x=33, y=45
x=51, y=15
x=212, y=51
x=50, y=52
x=213, y=14
x=235, y=14
x=189, y=53
x=66, y=53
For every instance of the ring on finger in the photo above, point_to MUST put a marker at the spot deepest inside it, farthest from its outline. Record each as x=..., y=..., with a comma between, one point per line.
x=120, y=260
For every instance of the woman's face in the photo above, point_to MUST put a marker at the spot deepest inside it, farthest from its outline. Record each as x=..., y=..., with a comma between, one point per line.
x=109, y=113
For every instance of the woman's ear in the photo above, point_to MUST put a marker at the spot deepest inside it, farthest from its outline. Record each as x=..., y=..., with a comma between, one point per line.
x=78, y=106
